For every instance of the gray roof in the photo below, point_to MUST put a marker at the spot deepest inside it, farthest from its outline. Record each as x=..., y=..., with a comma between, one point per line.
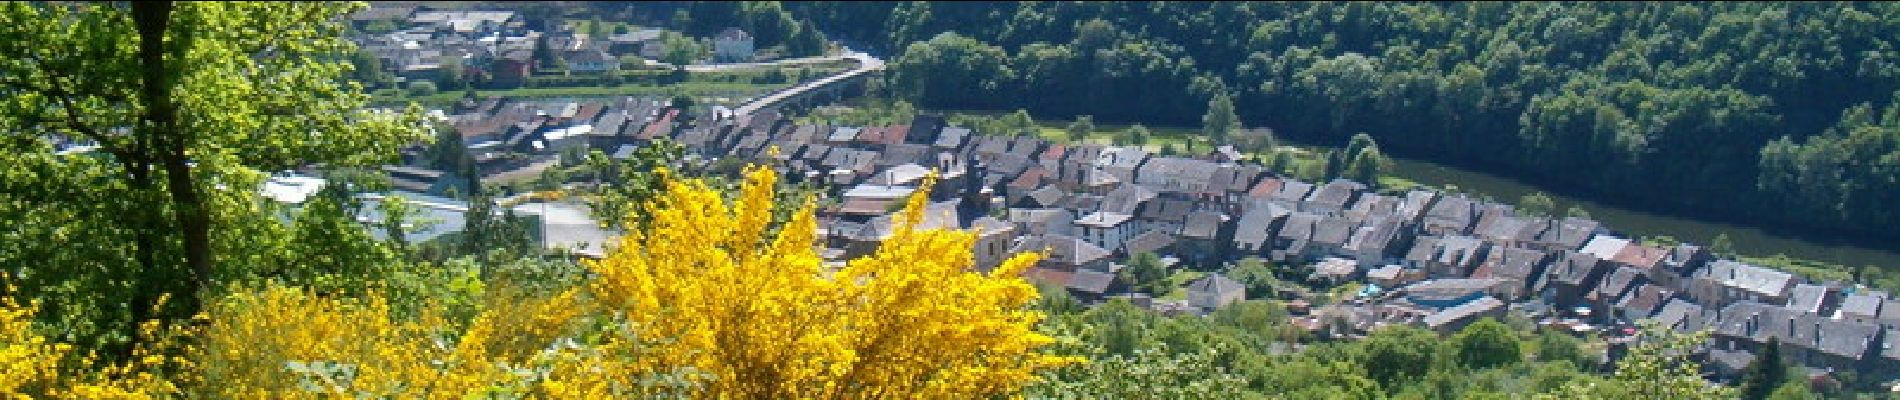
x=1202, y=225
x=1048, y=196
x=1676, y=313
x=1642, y=301
x=1415, y=203
x=1062, y=249
x=1103, y=219
x=1807, y=297
x=1455, y=212
x=1618, y=281
x=1147, y=242
x=1299, y=226
x=1216, y=284
x=1424, y=249
x=1333, y=231
x=1462, y=311
x=1569, y=233
x=1520, y=264
x=952, y=137
x=1292, y=191
x=1253, y=229
x=844, y=134
x=1605, y=247
x=1862, y=305
x=1091, y=281
x=1338, y=194
x=1127, y=199
x=1378, y=233
x=1574, y=269
x=1167, y=210
x=1758, y=280
x=1459, y=250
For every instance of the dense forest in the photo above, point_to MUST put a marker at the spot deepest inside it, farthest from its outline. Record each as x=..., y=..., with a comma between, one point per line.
x=1678, y=107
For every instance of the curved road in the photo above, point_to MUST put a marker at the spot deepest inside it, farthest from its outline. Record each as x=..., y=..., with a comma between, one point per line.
x=866, y=64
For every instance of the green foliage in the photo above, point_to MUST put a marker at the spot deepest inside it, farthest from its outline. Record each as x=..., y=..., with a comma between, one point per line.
x=186, y=126
x=1220, y=119
x=1537, y=204
x=1577, y=212
x=1145, y=273
x=1554, y=346
x=421, y=88
x=1137, y=135
x=1722, y=246
x=1657, y=367
x=1081, y=128
x=1766, y=374
x=1395, y=354
x=627, y=184
x=1256, y=275
x=1487, y=344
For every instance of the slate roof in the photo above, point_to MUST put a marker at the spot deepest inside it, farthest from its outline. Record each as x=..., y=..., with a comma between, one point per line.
x=1063, y=249
x=1299, y=226
x=1807, y=297
x=1253, y=230
x=1048, y=196
x=952, y=137
x=1676, y=313
x=1292, y=192
x=1424, y=249
x=1337, y=195
x=1523, y=265
x=1758, y=280
x=1166, y=210
x=1202, y=225
x=1377, y=233
x=1091, y=281
x=1215, y=284
x=1861, y=305
x=1333, y=231
x=1147, y=242
x=1127, y=199
x=1616, y=282
x=1569, y=233
x=1415, y=204
x=1462, y=311
x=1451, y=212
x=1459, y=250
x=1101, y=219
x=1605, y=247
x=1642, y=302
x=1573, y=269
x=903, y=153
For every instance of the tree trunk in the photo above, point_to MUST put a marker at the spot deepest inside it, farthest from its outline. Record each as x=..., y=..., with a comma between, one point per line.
x=152, y=19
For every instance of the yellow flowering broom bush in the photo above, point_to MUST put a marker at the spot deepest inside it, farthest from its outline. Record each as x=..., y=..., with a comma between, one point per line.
x=703, y=287
x=33, y=367
x=703, y=302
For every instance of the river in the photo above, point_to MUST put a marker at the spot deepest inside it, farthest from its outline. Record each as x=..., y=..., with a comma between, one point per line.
x=1750, y=241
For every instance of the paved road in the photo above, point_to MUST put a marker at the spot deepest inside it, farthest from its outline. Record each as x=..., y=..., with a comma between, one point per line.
x=866, y=64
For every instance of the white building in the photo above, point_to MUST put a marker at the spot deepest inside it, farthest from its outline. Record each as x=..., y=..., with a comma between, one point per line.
x=732, y=46
x=1106, y=229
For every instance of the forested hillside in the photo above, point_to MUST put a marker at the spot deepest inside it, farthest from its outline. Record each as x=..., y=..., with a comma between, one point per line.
x=1767, y=113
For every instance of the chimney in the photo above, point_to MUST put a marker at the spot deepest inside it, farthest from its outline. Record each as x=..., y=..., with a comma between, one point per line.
x=1791, y=326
